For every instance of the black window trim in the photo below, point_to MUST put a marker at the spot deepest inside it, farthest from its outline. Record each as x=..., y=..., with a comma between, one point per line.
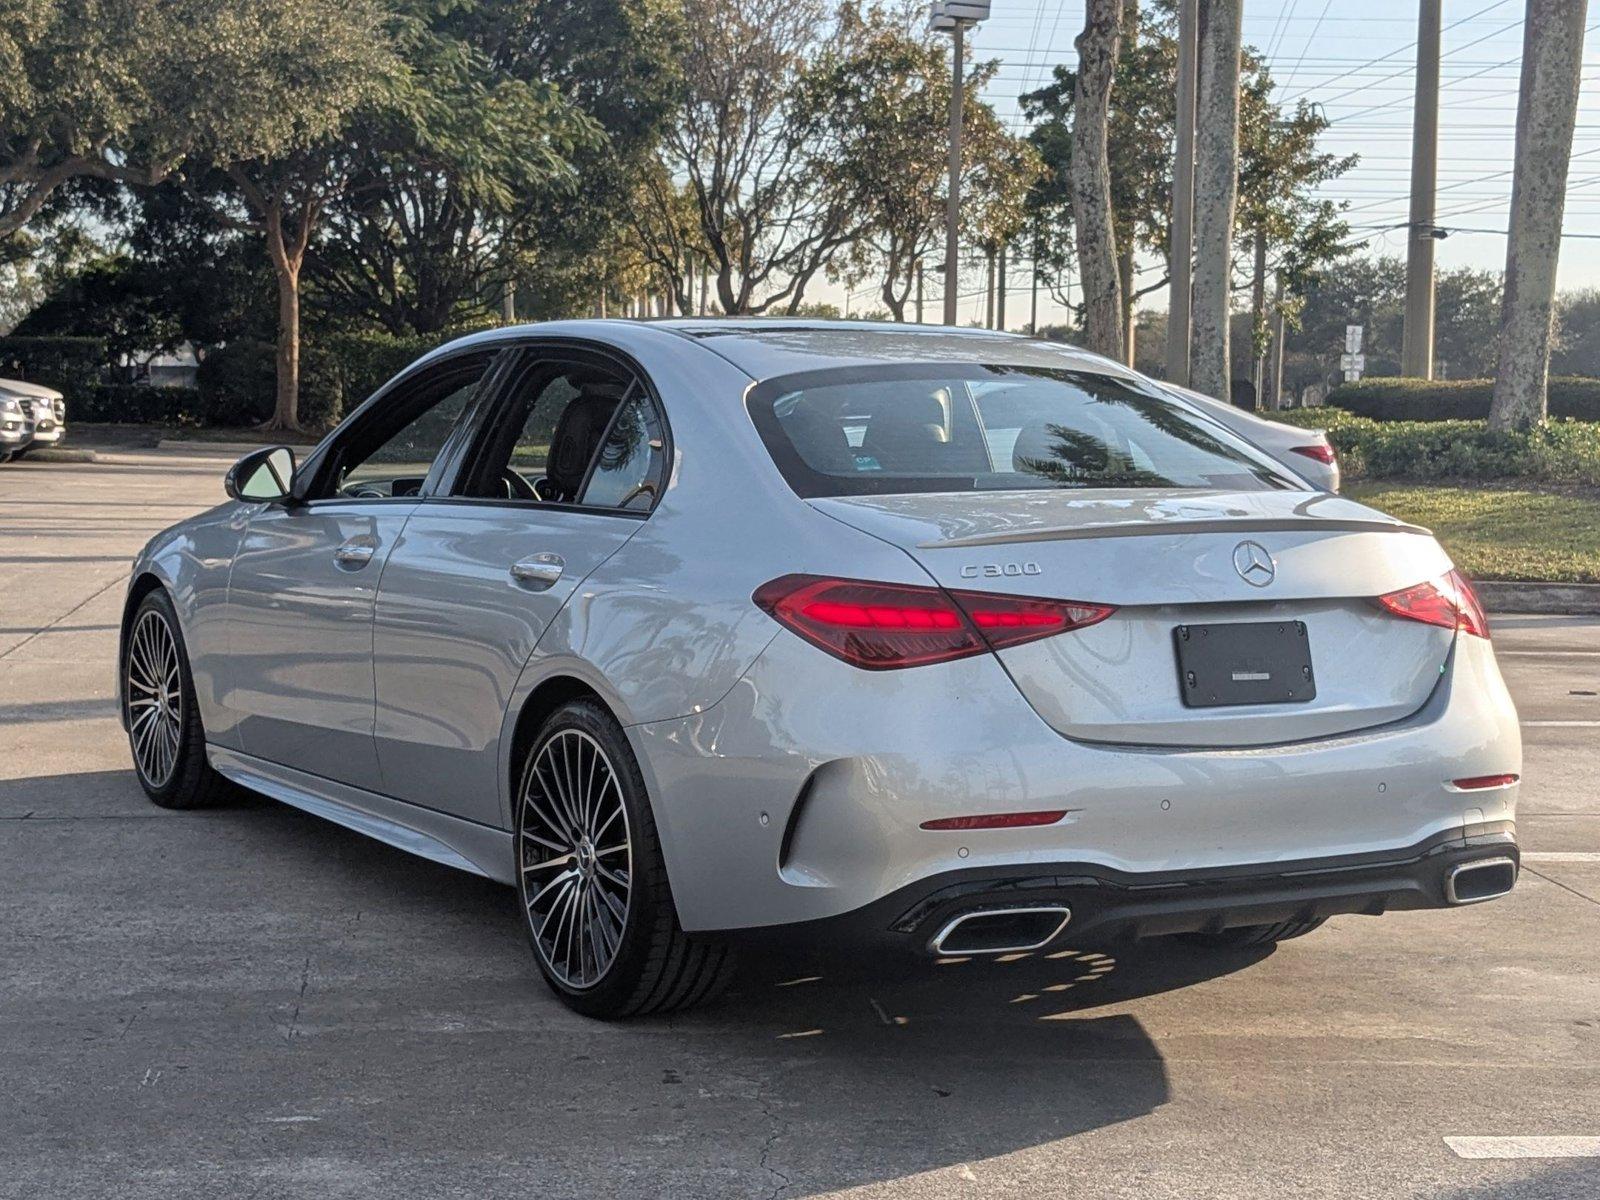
x=494, y=403
x=315, y=474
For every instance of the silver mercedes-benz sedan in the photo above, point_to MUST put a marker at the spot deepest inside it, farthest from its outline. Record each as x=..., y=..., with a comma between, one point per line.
x=942, y=639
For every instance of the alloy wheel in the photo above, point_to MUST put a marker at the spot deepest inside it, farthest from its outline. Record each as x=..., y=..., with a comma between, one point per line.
x=575, y=857
x=154, y=698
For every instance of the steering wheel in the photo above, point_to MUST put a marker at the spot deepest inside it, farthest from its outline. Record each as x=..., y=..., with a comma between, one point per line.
x=517, y=487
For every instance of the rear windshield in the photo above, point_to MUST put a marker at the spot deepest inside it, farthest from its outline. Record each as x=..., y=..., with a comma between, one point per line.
x=959, y=428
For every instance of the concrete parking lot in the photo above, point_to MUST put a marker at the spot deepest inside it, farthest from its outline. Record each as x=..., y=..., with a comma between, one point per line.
x=250, y=1002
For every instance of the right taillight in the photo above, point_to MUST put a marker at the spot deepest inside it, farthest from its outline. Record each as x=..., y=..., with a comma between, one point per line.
x=886, y=626
x=1447, y=601
x=1323, y=452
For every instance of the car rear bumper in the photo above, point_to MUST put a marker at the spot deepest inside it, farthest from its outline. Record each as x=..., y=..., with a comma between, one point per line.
x=1103, y=905
x=802, y=794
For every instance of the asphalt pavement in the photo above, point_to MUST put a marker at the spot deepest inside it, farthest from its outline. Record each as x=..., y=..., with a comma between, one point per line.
x=249, y=1002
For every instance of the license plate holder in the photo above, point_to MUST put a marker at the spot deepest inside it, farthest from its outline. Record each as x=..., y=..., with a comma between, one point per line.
x=1244, y=662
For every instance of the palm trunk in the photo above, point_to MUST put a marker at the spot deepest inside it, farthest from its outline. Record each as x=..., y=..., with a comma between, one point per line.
x=1090, y=177
x=1552, y=60
x=1216, y=184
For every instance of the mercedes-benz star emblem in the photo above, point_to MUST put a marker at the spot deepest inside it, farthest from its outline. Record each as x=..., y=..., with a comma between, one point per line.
x=1254, y=564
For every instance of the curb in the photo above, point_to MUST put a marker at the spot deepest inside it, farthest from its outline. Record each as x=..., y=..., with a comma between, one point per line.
x=60, y=456
x=213, y=447
x=1563, y=599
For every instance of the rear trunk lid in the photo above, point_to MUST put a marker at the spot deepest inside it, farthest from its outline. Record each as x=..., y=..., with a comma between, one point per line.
x=1188, y=560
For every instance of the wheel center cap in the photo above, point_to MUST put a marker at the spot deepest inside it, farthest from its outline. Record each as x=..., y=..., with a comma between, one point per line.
x=586, y=858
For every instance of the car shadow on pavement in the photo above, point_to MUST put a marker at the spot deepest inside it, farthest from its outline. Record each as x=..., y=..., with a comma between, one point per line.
x=816, y=1071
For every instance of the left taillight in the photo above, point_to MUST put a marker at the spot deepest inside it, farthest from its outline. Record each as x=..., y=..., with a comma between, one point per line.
x=1322, y=452
x=1447, y=601
x=887, y=626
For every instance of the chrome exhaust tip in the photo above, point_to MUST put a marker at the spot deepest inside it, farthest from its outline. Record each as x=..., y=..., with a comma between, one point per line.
x=1485, y=879
x=1000, y=930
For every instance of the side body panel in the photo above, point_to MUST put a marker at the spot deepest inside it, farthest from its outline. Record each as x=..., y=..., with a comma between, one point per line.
x=453, y=632
x=299, y=668
x=193, y=561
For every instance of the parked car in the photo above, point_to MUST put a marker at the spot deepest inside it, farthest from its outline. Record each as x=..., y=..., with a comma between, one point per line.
x=946, y=640
x=31, y=416
x=1306, y=452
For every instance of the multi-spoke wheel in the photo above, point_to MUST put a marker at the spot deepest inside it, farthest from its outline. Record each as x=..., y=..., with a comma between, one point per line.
x=155, y=698
x=159, y=709
x=576, y=860
x=592, y=881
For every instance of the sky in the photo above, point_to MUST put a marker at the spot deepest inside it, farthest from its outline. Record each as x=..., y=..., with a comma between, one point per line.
x=1357, y=58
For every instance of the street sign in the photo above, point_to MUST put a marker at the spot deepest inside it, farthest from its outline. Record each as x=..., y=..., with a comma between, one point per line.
x=966, y=10
x=1352, y=339
x=1353, y=362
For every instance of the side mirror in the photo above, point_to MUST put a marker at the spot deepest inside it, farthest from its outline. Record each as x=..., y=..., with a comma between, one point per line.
x=262, y=475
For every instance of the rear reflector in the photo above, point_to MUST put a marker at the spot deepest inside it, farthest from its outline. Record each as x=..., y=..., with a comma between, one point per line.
x=1019, y=820
x=1478, y=782
x=1323, y=453
x=885, y=626
x=1448, y=602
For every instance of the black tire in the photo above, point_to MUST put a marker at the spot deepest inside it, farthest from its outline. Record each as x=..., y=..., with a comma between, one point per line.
x=1246, y=937
x=189, y=781
x=654, y=967
x=17, y=454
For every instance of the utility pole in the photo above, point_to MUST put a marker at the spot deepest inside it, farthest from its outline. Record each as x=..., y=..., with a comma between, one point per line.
x=1033, y=309
x=1416, y=341
x=953, y=17
x=1000, y=292
x=919, y=291
x=1182, y=254
x=988, y=311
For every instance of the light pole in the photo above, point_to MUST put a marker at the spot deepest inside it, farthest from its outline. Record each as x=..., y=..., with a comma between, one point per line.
x=953, y=17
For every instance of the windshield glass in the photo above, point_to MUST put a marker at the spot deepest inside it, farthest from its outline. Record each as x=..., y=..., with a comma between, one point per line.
x=955, y=428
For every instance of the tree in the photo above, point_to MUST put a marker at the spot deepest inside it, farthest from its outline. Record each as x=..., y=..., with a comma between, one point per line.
x=1089, y=178
x=88, y=89
x=750, y=152
x=299, y=69
x=879, y=95
x=507, y=159
x=1552, y=62
x=1216, y=184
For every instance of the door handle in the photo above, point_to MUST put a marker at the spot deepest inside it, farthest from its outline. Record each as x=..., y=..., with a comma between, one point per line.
x=538, y=571
x=356, y=553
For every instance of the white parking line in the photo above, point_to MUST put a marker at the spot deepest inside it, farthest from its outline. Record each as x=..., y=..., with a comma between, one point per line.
x=1560, y=856
x=1524, y=1147
x=1561, y=724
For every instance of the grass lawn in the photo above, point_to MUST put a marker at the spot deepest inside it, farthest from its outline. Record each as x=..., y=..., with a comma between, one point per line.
x=1502, y=531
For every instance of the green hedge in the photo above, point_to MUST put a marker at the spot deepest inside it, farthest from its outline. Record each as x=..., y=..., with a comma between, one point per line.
x=71, y=365
x=137, y=404
x=1561, y=452
x=1387, y=399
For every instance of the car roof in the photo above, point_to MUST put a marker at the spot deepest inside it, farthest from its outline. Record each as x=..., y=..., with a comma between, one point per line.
x=767, y=347
x=37, y=391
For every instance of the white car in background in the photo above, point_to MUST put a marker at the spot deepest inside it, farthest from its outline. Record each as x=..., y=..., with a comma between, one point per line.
x=31, y=416
x=1306, y=452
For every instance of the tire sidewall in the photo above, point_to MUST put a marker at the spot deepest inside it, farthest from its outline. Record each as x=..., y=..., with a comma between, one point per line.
x=626, y=968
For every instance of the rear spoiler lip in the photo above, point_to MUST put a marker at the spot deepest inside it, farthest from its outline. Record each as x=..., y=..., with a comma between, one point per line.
x=1175, y=528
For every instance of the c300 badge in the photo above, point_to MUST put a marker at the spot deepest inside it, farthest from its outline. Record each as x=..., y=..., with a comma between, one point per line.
x=1000, y=570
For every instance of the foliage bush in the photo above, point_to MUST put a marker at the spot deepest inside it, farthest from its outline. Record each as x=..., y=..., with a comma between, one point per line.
x=236, y=384
x=72, y=365
x=1562, y=452
x=1394, y=399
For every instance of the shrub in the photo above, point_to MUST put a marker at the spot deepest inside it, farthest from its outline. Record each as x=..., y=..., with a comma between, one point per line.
x=238, y=386
x=136, y=403
x=71, y=365
x=1386, y=399
x=1561, y=452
